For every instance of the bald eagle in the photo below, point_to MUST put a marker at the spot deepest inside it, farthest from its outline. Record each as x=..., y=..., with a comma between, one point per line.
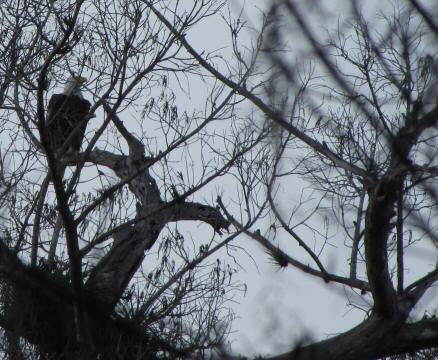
x=67, y=116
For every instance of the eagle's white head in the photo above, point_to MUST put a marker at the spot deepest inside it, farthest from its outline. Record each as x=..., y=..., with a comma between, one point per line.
x=73, y=86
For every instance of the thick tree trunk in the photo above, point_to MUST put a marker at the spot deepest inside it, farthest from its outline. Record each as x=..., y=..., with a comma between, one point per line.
x=372, y=339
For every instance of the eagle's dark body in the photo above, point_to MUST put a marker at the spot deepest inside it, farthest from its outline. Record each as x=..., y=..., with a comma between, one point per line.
x=66, y=115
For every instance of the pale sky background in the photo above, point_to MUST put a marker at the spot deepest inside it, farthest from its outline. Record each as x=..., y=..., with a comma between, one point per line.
x=284, y=306
x=280, y=307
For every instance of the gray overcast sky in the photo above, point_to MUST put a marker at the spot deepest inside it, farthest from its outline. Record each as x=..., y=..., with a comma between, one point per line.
x=287, y=304
x=279, y=305
x=282, y=306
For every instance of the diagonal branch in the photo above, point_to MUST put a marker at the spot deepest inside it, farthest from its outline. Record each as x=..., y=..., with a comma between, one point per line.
x=354, y=283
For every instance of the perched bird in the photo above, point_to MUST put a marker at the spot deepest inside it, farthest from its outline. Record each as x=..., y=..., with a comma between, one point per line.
x=67, y=116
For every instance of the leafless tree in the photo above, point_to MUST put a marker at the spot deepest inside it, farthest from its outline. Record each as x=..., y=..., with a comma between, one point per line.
x=96, y=262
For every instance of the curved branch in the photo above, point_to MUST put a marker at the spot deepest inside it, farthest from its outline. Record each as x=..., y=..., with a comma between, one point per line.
x=372, y=339
x=196, y=211
x=354, y=283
